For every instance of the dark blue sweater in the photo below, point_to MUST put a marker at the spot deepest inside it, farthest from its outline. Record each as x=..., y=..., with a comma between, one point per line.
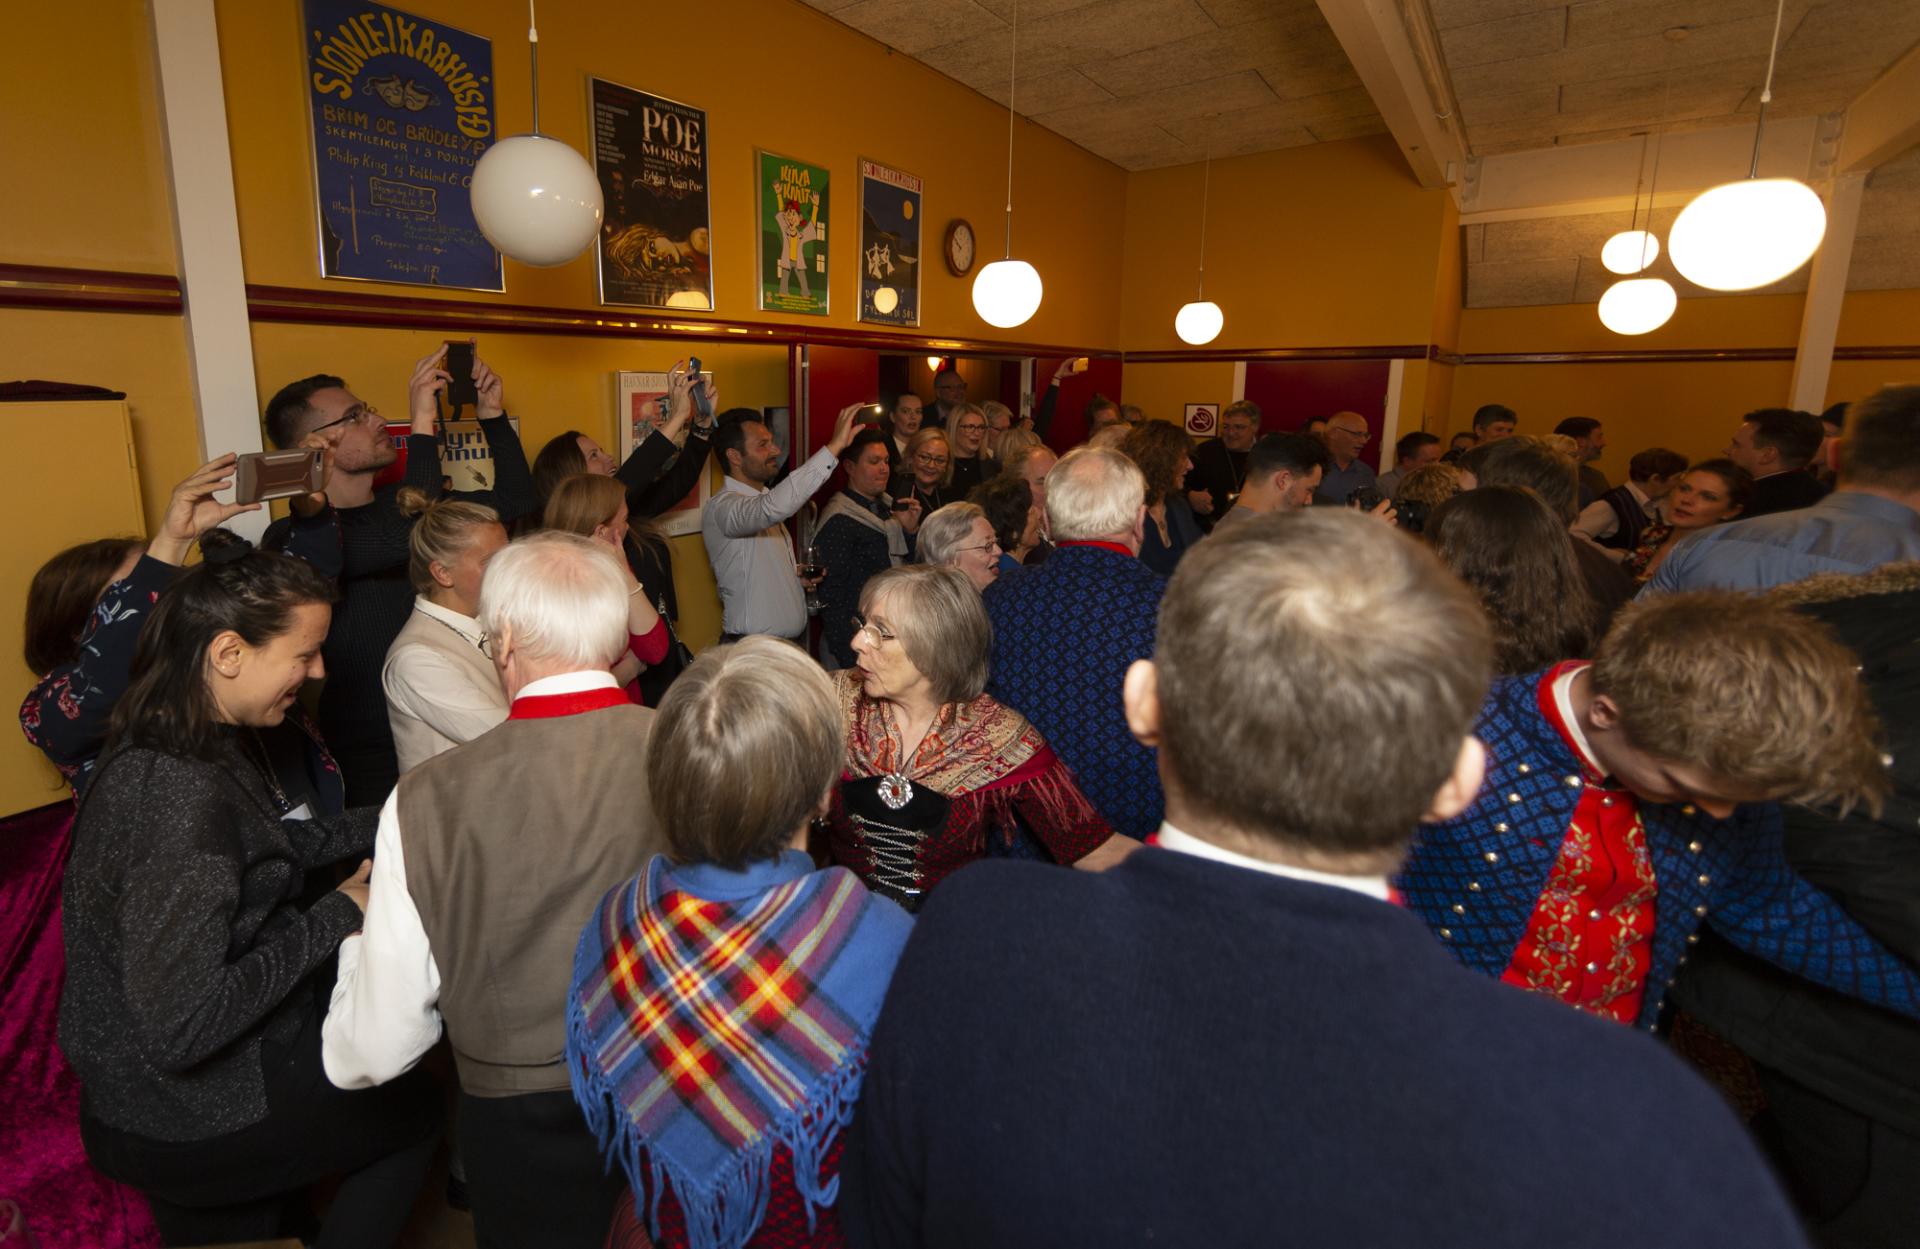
x=1064, y=634
x=1184, y=1053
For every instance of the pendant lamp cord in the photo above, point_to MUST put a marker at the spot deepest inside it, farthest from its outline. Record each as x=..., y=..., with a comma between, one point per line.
x=1013, y=77
x=1206, y=186
x=1766, y=91
x=533, y=53
x=1659, y=146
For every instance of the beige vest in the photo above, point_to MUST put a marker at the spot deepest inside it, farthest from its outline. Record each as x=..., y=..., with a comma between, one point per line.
x=510, y=842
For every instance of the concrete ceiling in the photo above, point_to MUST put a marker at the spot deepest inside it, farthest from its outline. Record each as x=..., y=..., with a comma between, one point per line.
x=1556, y=260
x=1143, y=83
x=1537, y=73
x=1152, y=83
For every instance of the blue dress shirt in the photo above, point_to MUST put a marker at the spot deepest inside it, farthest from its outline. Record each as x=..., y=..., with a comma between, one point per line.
x=1846, y=532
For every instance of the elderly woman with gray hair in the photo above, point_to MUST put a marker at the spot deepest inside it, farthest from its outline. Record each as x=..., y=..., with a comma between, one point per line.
x=959, y=535
x=935, y=768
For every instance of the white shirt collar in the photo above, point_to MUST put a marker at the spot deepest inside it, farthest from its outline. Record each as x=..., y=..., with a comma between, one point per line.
x=730, y=482
x=1171, y=838
x=1639, y=495
x=569, y=683
x=467, y=626
x=1563, y=699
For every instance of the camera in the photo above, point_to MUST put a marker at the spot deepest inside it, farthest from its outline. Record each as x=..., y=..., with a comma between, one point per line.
x=1412, y=515
x=1366, y=498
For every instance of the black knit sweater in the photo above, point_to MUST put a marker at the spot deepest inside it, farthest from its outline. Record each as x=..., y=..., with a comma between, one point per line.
x=185, y=948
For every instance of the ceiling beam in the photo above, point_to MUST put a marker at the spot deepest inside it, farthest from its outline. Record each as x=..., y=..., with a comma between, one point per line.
x=1884, y=120
x=1396, y=54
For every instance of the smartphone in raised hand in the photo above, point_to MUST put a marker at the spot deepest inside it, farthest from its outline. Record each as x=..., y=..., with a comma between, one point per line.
x=702, y=406
x=259, y=476
x=461, y=392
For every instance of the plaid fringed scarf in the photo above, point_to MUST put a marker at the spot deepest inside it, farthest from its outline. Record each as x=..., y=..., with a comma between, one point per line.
x=714, y=1015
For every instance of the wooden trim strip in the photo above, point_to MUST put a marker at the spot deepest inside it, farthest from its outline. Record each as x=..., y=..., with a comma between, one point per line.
x=300, y=305
x=1200, y=355
x=1905, y=351
x=88, y=290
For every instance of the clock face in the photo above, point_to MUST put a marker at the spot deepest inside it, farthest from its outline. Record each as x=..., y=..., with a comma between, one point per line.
x=960, y=247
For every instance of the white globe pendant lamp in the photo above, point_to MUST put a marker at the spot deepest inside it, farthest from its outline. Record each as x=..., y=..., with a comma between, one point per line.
x=1739, y=235
x=1200, y=322
x=1638, y=305
x=1007, y=292
x=535, y=198
x=1630, y=251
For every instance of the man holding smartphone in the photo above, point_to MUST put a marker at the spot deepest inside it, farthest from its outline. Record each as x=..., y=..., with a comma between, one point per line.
x=370, y=547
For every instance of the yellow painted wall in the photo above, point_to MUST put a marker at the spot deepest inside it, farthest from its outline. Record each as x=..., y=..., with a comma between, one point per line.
x=1692, y=407
x=1163, y=391
x=80, y=144
x=1333, y=244
x=775, y=74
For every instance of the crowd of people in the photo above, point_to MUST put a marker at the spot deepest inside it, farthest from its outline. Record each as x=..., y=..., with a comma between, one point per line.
x=1206, y=842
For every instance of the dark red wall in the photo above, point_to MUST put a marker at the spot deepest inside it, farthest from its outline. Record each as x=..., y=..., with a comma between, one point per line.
x=1291, y=393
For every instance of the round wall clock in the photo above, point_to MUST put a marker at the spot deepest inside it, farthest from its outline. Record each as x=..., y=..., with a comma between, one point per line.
x=960, y=254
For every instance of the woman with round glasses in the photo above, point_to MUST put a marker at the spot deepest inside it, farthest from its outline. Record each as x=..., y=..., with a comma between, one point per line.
x=927, y=474
x=959, y=535
x=971, y=462
x=935, y=768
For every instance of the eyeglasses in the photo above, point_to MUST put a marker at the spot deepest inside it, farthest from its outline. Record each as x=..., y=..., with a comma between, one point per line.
x=485, y=643
x=862, y=625
x=932, y=461
x=1361, y=435
x=365, y=412
x=970, y=429
x=985, y=546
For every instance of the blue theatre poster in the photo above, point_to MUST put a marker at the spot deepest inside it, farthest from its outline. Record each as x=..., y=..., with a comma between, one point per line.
x=889, y=245
x=402, y=110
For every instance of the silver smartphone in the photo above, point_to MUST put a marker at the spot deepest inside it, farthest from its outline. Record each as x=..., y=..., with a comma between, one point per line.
x=263, y=475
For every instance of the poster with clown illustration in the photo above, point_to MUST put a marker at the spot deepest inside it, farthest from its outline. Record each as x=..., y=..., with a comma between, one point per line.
x=792, y=195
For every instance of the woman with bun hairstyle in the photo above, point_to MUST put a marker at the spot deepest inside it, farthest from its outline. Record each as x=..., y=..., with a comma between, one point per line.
x=191, y=1011
x=596, y=507
x=441, y=688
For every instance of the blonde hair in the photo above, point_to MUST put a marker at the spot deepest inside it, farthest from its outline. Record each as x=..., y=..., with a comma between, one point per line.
x=1749, y=690
x=1431, y=484
x=746, y=743
x=584, y=501
x=442, y=532
x=1014, y=443
x=927, y=434
x=992, y=408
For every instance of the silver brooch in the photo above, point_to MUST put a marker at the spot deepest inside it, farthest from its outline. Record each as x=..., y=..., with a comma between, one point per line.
x=896, y=790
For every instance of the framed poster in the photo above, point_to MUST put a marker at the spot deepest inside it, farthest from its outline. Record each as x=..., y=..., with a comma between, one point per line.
x=401, y=110
x=889, y=245
x=1203, y=420
x=655, y=248
x=642, y=405
x=793, y=234
x=466, y=461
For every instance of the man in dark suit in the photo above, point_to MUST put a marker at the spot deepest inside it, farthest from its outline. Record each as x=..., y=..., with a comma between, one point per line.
x=1235, y=1037
x=1219, y=470
x=1776, y=445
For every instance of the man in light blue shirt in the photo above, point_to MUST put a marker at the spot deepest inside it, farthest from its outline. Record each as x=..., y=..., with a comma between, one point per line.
x=1873, y=518
x=744, y=528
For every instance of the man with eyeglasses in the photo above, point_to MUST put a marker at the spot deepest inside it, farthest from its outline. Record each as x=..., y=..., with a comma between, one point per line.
x=1347, y=433
x=372, y=538
x=950, y=392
